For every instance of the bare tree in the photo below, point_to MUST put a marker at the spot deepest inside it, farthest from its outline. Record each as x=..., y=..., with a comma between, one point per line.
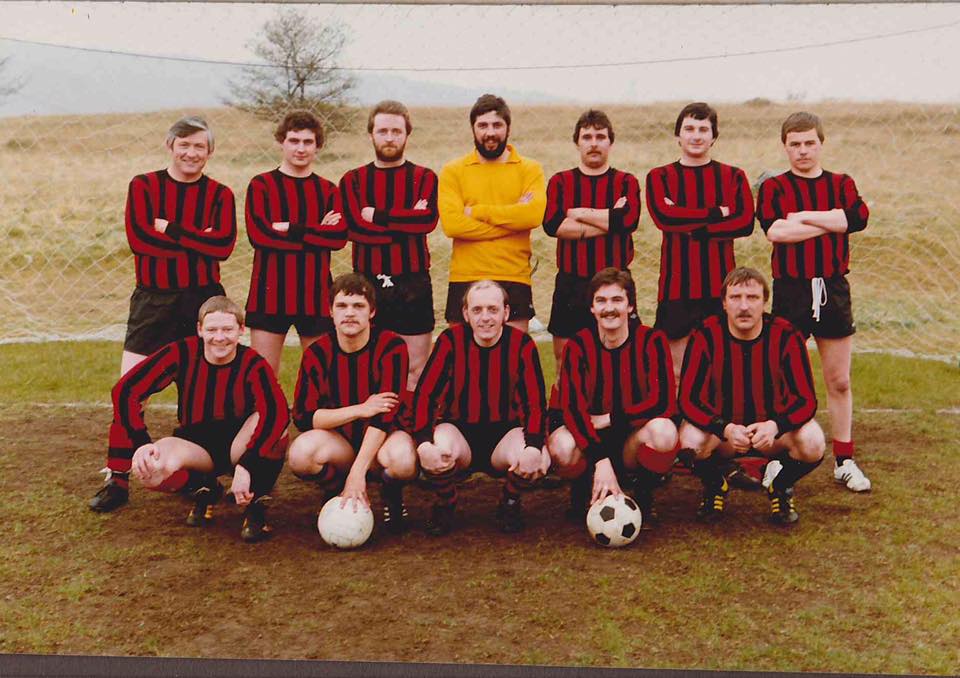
x=8, y=85
x=300, y=67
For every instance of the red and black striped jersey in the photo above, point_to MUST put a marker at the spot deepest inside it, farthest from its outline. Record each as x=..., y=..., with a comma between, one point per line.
x=697, y=247
x=206, y=393
x=395, y=242
x=201, y=232
x=472, y=384
x=826, y=255
x=331, y=378
x=633, y=383
x=726, y=380
x=291, y=270
x=573, y=188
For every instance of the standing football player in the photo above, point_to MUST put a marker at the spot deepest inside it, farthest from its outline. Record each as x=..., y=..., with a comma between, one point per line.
x=808, y=213
x=593, y=210
x=294, y=223
x=746, y=385
x=489, y=200
x=346, y=404
x=701, y=206
x=616, y=395
x=480, y=406
x=391, y=207
x=232, y=419
x=180, y=225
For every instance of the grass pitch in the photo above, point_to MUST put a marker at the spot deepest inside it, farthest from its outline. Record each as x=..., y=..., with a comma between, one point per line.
x=863, y=583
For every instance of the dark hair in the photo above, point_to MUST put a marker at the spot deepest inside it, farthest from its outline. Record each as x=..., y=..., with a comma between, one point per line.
x=487, y=103
x=595, y=119
x=298, y=120
x=801, y=122
x=744, y=274
x=614, y=276
x=393, y=108
x=698, y=111
x=354, y=283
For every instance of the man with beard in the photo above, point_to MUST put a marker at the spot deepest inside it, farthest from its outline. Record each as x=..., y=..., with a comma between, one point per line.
x=746, y=385
x=592, y=210
x=490, y=200
x=480, y=406
x=391, y=206
x=294, y=223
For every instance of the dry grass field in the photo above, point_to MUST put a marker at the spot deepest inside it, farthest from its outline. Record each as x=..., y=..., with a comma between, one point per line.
x=66, y=269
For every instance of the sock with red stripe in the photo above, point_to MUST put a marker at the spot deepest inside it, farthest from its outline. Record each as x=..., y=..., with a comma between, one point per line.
x=842, y=451
x=443, y=484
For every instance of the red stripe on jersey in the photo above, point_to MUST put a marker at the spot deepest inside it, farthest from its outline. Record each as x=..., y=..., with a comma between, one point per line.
x=395, y=242
x=826, y=255
x=726, y=380
x=697, y=247
x=571, y=188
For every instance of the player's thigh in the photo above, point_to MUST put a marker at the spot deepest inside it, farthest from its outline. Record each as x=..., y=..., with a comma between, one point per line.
x=317, y=447
x=448, y=437
x=507, y=451
x=268, y=344
x=659, y=434
x=835, y=358
x=177, y=453
x=806, y=444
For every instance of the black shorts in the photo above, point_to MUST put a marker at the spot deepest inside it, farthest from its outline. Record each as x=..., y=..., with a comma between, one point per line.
x=404, y=302
x=307, y=325
x=483, y=440
x=215, y=437
x=793, y=298
x=680, y=317
x=570, y=311
x=519, y=296
x=158, y=317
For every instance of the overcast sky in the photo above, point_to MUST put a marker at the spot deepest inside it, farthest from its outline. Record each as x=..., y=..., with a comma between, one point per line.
x=720, y=53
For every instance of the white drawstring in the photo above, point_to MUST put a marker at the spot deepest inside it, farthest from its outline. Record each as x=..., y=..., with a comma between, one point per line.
x=818, y=291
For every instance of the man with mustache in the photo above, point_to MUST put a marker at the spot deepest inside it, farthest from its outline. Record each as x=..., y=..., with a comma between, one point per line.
x=489, y=200
x=808, y=213
x=346, y=403
x=391, y=207
x=480, y=405
x=294, y=223
x=180, y=225
x=593, y=210
x=746, y=386
x=616, y=397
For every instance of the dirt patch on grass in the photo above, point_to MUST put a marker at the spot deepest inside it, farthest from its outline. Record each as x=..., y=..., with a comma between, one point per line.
x=740, y=595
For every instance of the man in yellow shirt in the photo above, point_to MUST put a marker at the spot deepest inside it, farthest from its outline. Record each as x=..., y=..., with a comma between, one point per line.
x=489, y=201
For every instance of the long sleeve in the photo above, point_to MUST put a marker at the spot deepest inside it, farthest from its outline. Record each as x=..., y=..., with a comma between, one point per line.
x=531, y=394
x=659, y=398
x=274, y=416
x=454, y=222
x=140, y=213
x=696, y=387
x=799, y=399
x=394, y=363
x=431, y=390
x=216, y=236
x=312, y=391
x=519, y=216
x=574, y=401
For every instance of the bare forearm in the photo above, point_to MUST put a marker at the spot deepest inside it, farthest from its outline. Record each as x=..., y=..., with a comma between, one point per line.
x=332, y=418
x=571, y=229
x=372, y=440
x=599, y=218
x=791, y=231
x=834, y=220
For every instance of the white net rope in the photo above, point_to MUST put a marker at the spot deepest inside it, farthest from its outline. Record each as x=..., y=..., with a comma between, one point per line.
x=66, y=270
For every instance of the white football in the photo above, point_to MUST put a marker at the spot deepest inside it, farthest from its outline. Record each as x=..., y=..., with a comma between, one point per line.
x=615, y=521
x=345, y=527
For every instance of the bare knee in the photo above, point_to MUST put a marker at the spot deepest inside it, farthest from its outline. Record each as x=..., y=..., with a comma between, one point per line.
x=692, y=438
x=303, y=455
x=662, y=434
x=562, y=448
x=399, y=457
x=810, y=443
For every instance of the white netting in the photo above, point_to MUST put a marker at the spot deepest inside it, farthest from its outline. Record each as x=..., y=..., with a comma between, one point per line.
x=66, y=270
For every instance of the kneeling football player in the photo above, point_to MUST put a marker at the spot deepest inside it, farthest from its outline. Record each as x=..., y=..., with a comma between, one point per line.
x=480, y=405
x=347, y=404
x=232, y=418
x=616, y=396
x=746, y=385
